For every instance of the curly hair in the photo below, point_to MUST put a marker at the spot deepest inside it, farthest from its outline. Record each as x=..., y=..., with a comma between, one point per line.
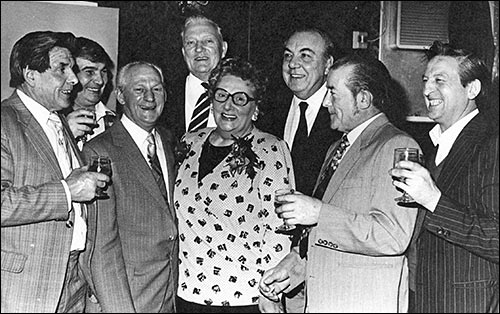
x=243, y=69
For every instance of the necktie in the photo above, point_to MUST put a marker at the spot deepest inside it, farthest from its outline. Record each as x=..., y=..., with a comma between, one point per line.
x=200, y=114
x=155, y=165
x=62, y=149
x=330, y=170
x=301, y=134
x=320, y=190
x=65, y=162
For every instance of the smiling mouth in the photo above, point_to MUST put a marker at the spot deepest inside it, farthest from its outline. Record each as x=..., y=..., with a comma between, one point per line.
x=230, y=117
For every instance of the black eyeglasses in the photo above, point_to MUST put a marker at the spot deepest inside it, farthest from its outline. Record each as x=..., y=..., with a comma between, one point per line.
x=239, y=98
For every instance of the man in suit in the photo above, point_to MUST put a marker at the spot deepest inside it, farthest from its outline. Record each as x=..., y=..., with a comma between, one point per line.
x=88, y=116
x=134, y=263
x=202, y=47
x=458, y=244
x=308, y=53
x=43, y=226
x=354, y=259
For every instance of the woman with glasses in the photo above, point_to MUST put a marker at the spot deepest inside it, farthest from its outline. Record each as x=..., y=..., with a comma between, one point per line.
x=224, y=197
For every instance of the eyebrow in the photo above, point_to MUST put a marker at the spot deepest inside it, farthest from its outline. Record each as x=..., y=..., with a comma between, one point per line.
x=302, y=50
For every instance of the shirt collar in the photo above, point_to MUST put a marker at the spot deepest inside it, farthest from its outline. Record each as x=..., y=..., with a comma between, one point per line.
x=101, y=109
x=448, y=137
x=316, y=99
x=356, y=132
x=137, y=133
x=38, y=111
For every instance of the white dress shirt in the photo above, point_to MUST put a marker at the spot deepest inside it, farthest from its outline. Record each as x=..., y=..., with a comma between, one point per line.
x=193, y=91
x=447, y=138
x=139, y=135
x=41, y=114
x=292, y=122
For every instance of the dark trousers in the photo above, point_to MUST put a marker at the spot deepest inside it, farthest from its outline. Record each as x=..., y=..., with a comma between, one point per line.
x=74, y=289
x=184, y=306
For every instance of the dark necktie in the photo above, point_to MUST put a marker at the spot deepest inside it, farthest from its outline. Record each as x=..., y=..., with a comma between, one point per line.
x=301, y=134
x=320, y=189
x=200, y=114
x=155, y=165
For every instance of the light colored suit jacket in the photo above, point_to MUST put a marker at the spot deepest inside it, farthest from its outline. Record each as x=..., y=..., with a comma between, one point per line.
x=135, y=261
x=35, y=239
x=356, y=260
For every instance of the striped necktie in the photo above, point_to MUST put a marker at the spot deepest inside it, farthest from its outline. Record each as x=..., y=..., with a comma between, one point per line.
x=200, y=114
x=154, y=162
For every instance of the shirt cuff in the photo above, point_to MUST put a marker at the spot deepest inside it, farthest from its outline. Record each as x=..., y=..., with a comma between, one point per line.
x=68, y=194
x=431, y=206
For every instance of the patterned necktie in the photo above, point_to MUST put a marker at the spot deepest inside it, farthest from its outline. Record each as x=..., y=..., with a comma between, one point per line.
x=155, y=165
x=303, y=238
x=330, y=170
x=62, y=149
x=200, y=114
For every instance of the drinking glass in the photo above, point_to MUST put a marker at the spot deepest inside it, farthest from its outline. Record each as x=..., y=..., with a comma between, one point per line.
x=284, y=228
x=101, y=164
x=410, y=154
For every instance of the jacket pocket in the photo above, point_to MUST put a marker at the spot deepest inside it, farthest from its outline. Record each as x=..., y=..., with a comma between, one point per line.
x=13, y=262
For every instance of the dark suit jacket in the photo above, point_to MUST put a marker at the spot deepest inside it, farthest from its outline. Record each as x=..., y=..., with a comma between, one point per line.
x=134, y=264
x=320, y=138
x=172, y=117
x=458, y=247
x=35, y=240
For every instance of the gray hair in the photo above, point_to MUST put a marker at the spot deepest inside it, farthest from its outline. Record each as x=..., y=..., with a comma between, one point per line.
x=200, y=19
x=120, y=78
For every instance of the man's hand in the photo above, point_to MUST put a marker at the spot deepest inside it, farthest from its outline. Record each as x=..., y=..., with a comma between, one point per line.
x=83, y=183
x=274, y=282
x=81, y=122
x=298, y=209
x=417, y=182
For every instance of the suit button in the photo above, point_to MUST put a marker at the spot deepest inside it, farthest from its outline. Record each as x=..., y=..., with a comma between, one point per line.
x=446, y=233
x=440, y=231
x=69, y=224
x=335, y=246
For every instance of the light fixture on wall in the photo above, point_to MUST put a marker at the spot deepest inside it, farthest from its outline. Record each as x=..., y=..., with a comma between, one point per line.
x=191, y=7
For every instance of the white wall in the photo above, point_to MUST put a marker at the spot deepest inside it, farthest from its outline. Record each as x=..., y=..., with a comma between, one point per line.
x=21, y=17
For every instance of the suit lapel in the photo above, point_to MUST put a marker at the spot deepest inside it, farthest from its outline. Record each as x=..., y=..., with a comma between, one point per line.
x=352, y=156
x=134, y=161
x=36, y=135
x=461, y=152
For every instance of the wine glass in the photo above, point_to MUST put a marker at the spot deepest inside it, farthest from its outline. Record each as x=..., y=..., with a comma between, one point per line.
x=409, y=154
x=101, y=164
x=283, y=228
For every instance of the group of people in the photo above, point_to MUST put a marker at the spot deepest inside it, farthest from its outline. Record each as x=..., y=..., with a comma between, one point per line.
x=190, y=222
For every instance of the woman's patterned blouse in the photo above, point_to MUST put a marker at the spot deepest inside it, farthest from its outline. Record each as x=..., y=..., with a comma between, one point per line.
x=227, y=222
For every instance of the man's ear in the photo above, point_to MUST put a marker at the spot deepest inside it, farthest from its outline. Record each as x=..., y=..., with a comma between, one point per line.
x=329, y=64
x=364, y=99
x=224, y=49
x=119, y=96
x=473, y=89
x=30, y=76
